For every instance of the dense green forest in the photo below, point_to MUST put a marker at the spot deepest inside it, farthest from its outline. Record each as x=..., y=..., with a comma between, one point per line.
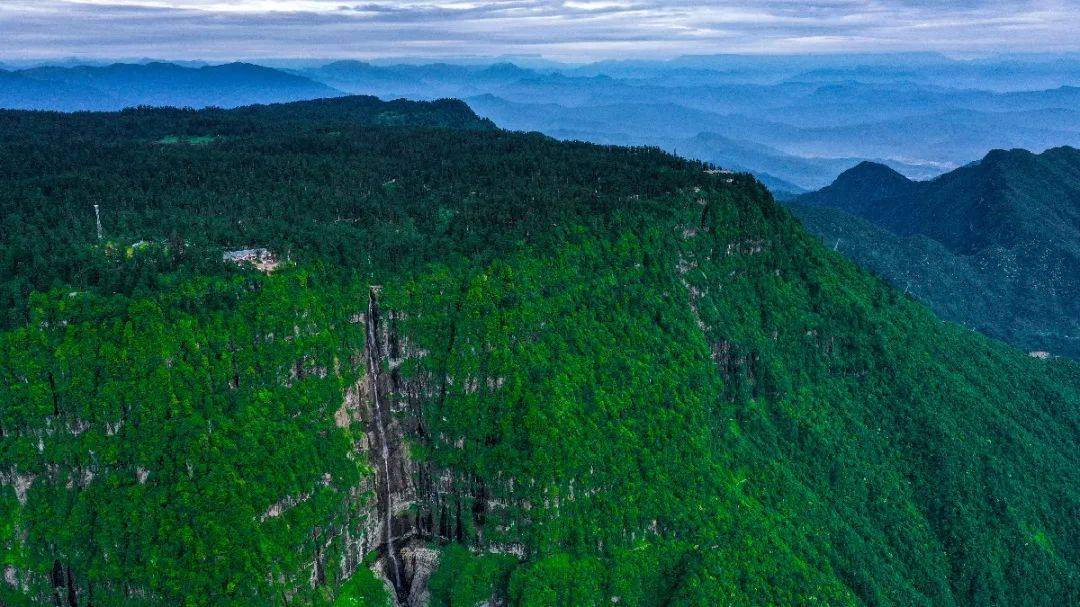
x=994, y=245
x=622, y=378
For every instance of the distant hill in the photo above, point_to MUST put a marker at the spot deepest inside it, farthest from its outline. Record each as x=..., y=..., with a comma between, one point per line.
x=428, y=81
x=994, y=245
x=361, y=76
x=156, y=84
x=860, y=189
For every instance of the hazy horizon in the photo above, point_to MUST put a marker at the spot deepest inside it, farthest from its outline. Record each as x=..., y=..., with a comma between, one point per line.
x=736, y=63
x=536, y=59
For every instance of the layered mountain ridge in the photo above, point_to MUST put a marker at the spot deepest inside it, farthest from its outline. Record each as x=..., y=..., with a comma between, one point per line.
x=793, y=121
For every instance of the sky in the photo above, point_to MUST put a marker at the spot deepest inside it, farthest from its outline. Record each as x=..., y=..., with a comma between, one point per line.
x=566, y=30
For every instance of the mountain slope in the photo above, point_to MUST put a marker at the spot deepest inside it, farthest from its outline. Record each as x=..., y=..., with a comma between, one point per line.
x=486, y=366
x=158, y=84
x=1008, y=230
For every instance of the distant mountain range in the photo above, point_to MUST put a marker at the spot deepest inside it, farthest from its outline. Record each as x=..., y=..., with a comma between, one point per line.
x=157, y=84
x=994, y=245
x=794, y=122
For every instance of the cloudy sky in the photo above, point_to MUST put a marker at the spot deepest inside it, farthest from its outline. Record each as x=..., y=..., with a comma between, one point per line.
x=557, y=29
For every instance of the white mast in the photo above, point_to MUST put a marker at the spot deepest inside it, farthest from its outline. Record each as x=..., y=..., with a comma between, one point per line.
x=97, y=216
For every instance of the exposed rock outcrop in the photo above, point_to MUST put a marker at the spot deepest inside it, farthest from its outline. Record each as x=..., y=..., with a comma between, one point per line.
x=261, y=259
x=415, y=503
x=387, y=408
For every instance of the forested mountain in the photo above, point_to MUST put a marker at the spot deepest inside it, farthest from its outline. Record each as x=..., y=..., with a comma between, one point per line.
x=863, y=190
x=121, y=85
x=308, y=347
x=994, y=245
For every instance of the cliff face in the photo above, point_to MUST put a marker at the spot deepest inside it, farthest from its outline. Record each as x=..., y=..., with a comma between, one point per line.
x=413, y=502
x=417, y=505
x=384, y=405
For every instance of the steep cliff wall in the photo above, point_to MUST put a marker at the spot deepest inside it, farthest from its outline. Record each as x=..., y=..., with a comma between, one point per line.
x=416, y=504
x=389, y=409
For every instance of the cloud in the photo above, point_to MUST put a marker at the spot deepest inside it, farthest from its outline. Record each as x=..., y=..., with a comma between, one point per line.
x=561, y=29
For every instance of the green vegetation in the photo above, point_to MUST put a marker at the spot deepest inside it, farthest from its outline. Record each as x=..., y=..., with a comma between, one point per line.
x=644, y=383
x=363, y=589
x=464, y=578
x=190, y=140
x=994, y=245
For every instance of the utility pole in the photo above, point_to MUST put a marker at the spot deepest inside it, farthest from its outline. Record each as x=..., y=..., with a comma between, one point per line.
x=97, y=216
